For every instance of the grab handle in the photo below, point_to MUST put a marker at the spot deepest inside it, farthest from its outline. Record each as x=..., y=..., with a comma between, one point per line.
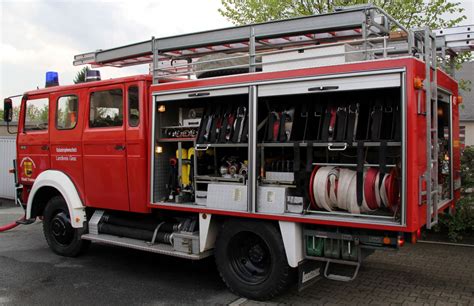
x=201, y=148
x=331, y=147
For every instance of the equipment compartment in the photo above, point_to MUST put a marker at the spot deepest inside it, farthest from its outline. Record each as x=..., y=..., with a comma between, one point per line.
x=444, y=135
x=322, y=152
x=338, y=151
x=210, y=130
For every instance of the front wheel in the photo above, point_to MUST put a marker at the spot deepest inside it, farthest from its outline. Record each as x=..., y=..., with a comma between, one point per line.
x=251, y=259
x=61, y=237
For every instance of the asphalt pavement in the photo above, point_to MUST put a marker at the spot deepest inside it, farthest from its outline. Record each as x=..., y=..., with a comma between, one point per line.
x=105, y=275
x=30, y=273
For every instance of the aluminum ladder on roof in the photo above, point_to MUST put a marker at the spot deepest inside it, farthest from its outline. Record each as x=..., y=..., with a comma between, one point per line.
x=451, y=41
x=359, y=21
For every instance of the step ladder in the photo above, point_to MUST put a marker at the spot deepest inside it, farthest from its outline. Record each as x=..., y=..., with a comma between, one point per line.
x=431, y=99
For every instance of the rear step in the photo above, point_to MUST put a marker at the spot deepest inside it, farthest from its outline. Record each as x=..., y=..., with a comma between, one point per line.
x=342, y=278
x=164, y=249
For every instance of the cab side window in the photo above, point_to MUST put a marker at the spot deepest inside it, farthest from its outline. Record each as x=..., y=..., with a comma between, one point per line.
x=66, y=112
x=133, y=107
x=106, y=108
x=36, y=115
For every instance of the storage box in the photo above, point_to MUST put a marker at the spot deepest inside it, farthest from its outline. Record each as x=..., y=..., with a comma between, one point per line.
x=280, y=176
x=227, y=196
x=294, y=204
x=186, y=242
x=201, y=197
x=303, y=58
x=271, y=199
x=192, y=122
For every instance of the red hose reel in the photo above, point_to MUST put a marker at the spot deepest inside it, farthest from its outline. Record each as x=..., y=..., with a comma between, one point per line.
x=379, y=190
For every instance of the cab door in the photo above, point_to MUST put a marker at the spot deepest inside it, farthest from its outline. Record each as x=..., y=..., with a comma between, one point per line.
x=104, y=149
x=66, y=135
x=136, y=132
x=33, y=138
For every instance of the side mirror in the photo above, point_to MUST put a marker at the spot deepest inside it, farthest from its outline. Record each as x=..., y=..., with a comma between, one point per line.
x=7, y=110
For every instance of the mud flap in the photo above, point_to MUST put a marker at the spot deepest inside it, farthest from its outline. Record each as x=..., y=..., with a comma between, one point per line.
x=309, y=272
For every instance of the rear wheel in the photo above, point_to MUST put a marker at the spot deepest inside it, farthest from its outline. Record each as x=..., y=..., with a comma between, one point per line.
x=251, y=259
x=62, y=238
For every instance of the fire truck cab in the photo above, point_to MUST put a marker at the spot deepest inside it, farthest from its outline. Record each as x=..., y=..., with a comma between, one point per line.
x=286, y=146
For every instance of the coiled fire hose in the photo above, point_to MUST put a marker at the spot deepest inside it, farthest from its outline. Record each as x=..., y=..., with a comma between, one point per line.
x=336, y=188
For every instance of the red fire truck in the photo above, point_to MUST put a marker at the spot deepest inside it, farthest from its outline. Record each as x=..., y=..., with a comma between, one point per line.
x=283, y=148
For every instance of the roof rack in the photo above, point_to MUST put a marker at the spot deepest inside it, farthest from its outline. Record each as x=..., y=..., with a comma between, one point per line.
x=370, y=30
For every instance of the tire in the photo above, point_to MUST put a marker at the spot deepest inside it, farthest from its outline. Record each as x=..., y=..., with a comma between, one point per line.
x=61, y=237
x=251, y=259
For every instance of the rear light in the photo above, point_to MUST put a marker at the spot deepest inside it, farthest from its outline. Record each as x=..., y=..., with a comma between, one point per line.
x=386, y=240
x=459, y=100
x=401, y=241
x=418, y=233
x=418, y=83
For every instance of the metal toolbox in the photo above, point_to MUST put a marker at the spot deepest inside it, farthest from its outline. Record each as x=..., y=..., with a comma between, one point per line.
x=330, y=55
x=227, y=196
x=186, y=242
x=271, y=199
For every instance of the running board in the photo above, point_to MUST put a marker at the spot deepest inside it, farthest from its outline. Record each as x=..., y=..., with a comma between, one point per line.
x=160, y=248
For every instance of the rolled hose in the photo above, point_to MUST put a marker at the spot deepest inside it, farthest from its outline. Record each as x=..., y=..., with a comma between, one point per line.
x=10, y=226
x=332, y=187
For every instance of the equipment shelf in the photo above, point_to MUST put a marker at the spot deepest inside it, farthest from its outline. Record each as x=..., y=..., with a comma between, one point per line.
x=176, y=139
x=350, y=165
x=326, y=144
x=220, y=145
x=208, y=178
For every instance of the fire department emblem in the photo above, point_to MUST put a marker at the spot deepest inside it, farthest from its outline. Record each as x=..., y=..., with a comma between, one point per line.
x=28, y=166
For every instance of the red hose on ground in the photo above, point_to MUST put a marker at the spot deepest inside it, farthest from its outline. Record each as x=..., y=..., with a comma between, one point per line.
x=9, y=226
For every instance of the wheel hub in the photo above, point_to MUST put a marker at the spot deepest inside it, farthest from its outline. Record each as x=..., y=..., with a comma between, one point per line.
x=61, y=229
x=250, y=258
x=256, y=253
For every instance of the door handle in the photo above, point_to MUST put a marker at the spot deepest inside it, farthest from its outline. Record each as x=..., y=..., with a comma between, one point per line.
x=120, y=147
x=45, y=147
x=199, y=94
x=323, y=88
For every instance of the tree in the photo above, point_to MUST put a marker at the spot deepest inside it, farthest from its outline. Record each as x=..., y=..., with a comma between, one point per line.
x=410, y=13
x=81, y=75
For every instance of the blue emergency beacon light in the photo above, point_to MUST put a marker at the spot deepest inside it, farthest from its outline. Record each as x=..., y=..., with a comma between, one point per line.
x=52, y=79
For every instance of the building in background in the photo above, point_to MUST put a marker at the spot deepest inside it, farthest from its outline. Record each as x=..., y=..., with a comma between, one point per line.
x=7, y=155
x=466, y=110
x=4, y=131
